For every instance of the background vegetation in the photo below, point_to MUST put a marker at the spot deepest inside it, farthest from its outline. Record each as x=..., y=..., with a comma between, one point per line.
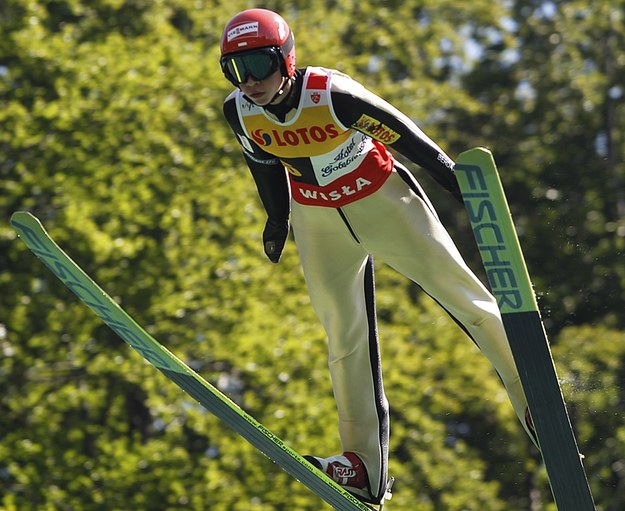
x=111, y=132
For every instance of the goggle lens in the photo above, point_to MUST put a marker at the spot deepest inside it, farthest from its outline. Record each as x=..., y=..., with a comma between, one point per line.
x=259, y=65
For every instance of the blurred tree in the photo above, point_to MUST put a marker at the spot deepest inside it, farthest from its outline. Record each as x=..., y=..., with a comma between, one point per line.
x=592, y=372
x=554, y=96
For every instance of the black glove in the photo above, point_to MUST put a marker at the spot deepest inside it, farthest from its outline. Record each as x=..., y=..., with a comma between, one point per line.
x=274, y=238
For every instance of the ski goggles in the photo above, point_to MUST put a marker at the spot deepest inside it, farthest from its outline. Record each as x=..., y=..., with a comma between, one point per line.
x=259, y=64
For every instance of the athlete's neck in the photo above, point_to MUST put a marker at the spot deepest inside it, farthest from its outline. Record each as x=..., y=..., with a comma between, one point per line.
x=289, y=98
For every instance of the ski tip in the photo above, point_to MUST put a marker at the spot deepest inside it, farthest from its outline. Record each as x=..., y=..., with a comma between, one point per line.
x=24, y=219
x=21, y=216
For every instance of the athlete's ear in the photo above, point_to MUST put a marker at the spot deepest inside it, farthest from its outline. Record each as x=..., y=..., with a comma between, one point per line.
x=274, y=238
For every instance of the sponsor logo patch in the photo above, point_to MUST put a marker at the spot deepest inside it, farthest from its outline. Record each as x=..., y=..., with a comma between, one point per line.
x=445, y=161
x=346, y=472
x=346, y=156
x=375, y=129
x=295, y=137
x=339, y=194
x=247, y=29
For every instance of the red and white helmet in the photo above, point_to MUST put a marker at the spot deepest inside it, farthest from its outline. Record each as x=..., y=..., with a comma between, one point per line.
x=260, y=28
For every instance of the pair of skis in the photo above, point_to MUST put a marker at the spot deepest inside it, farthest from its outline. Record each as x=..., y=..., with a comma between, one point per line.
x=505, y=268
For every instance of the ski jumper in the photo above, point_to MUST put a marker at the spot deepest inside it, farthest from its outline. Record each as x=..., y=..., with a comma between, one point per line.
x=351, y=200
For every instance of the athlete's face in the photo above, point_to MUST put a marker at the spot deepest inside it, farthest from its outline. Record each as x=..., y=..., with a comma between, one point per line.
x=261, y=92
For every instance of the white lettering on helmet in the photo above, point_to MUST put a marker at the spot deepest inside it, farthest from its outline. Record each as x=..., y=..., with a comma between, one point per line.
x=247, y=29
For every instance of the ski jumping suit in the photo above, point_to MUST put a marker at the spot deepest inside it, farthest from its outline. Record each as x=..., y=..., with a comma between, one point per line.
x=351, y=201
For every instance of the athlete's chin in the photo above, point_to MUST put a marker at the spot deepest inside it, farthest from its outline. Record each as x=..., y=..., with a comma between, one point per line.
x=259, y=99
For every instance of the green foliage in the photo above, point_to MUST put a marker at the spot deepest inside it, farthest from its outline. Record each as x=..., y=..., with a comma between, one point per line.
x=592, y=371
x=112, y=133
x=555, y=124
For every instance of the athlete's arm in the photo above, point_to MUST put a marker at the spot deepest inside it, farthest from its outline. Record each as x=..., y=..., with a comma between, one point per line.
x=358, y=108
x=271, y=182
x=268, y=171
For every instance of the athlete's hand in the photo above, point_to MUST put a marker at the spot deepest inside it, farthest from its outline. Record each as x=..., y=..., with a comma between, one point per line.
x=274, y=238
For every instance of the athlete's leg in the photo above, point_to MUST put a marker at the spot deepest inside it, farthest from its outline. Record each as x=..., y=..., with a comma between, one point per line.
x=339, y=276
x=407, y=234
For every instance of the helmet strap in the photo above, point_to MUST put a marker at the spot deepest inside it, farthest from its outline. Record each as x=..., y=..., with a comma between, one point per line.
x=281, y=89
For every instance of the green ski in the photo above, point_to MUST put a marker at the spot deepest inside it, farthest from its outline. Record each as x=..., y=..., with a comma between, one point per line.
x=43, y=246
x=507, y=274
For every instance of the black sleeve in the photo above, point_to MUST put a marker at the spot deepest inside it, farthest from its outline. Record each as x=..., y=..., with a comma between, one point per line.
x=268, y=171
x=273, y=189
x=362, y=110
